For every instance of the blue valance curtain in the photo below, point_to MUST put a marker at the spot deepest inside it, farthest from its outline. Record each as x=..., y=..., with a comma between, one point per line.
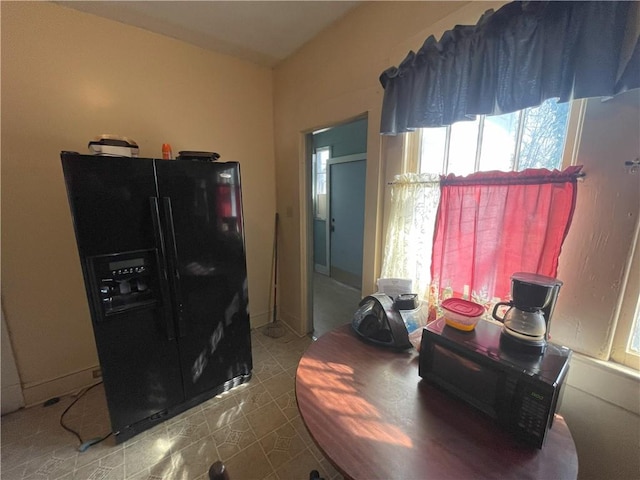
x=514, y=58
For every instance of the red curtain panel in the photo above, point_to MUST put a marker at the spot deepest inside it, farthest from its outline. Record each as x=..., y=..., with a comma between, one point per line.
x=492, y=224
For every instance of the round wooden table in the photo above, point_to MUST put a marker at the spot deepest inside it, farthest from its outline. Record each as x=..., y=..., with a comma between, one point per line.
x=373, y=417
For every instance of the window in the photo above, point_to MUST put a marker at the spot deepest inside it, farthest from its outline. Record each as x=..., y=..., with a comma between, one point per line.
x=549, y=137
x=626, y=342
x=531, y=138
x=504, y=142
x=633, y=346
x=320, y=182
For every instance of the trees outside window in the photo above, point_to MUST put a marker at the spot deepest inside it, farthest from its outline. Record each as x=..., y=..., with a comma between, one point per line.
x=530, y=138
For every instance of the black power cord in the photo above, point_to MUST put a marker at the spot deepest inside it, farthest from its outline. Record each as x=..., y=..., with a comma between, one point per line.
x=84, y=445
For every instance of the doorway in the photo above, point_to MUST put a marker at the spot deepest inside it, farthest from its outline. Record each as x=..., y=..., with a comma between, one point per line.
x=337, y=181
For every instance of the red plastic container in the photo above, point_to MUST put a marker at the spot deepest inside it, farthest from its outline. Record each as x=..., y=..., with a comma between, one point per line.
x=461, y=314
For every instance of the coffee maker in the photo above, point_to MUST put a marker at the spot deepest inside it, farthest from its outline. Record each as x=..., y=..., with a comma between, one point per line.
x=526, y=323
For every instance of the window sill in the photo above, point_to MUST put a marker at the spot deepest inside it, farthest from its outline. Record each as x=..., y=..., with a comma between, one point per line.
x=608, y=381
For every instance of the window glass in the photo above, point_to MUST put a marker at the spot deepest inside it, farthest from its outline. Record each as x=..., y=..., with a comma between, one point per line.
x=530, y=138
x=543, y=133
x=462, y=147
x=498, y=147
x=320, y=182
x=322, y=156
x=432, y=149
x=634, y=342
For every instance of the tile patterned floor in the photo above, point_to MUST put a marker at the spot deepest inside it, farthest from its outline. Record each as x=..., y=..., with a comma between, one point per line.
x=333, y=304
x=255, y=429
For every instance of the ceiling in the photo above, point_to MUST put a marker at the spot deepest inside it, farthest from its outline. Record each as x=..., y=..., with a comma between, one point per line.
x=262, y=32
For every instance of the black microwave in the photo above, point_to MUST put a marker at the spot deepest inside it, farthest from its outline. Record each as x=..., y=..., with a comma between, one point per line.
x=520, y=391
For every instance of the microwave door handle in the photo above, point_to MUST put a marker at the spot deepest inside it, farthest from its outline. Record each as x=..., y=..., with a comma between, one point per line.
x=172, y=255
x=162, y=268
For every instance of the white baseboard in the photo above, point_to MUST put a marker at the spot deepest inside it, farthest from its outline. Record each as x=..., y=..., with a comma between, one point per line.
x=260, y=319
x=12, y=399
x=37, y=393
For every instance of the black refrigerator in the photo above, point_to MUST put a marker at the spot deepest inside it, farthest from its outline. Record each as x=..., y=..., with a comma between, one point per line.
x=161, y=245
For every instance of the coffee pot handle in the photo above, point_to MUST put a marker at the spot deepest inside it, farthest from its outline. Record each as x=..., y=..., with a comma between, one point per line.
x=495, y=310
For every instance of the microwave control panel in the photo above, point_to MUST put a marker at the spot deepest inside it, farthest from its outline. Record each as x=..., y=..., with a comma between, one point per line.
x=533, y=415
x=124, y=281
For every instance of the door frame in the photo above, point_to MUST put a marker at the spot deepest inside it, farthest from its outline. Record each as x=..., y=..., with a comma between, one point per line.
x=305, y=189
x=356, y=157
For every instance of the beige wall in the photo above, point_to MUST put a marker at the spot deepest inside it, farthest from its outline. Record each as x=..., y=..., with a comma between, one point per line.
x=597, y=251
x=601, y=403
x=67, y=77
x=11, y=397
x=335, y=77
x=332, y=79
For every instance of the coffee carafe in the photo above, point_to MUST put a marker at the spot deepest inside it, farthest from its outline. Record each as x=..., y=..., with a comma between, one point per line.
x=526, y=322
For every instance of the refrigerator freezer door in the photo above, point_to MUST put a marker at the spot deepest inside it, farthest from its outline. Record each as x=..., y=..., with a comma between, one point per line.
x=109, y=197
x=113, y=220
x=202, y=209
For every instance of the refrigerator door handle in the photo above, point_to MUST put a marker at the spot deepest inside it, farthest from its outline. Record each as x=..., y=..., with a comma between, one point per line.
x=172, y=255
x=164, y=283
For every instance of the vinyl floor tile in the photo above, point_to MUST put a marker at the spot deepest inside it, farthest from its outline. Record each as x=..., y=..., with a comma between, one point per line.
x=255, y=429
x=282, y=445
x=266, y=419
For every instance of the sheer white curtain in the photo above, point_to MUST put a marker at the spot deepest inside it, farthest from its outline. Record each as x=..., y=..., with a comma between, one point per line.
x=409, y=239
